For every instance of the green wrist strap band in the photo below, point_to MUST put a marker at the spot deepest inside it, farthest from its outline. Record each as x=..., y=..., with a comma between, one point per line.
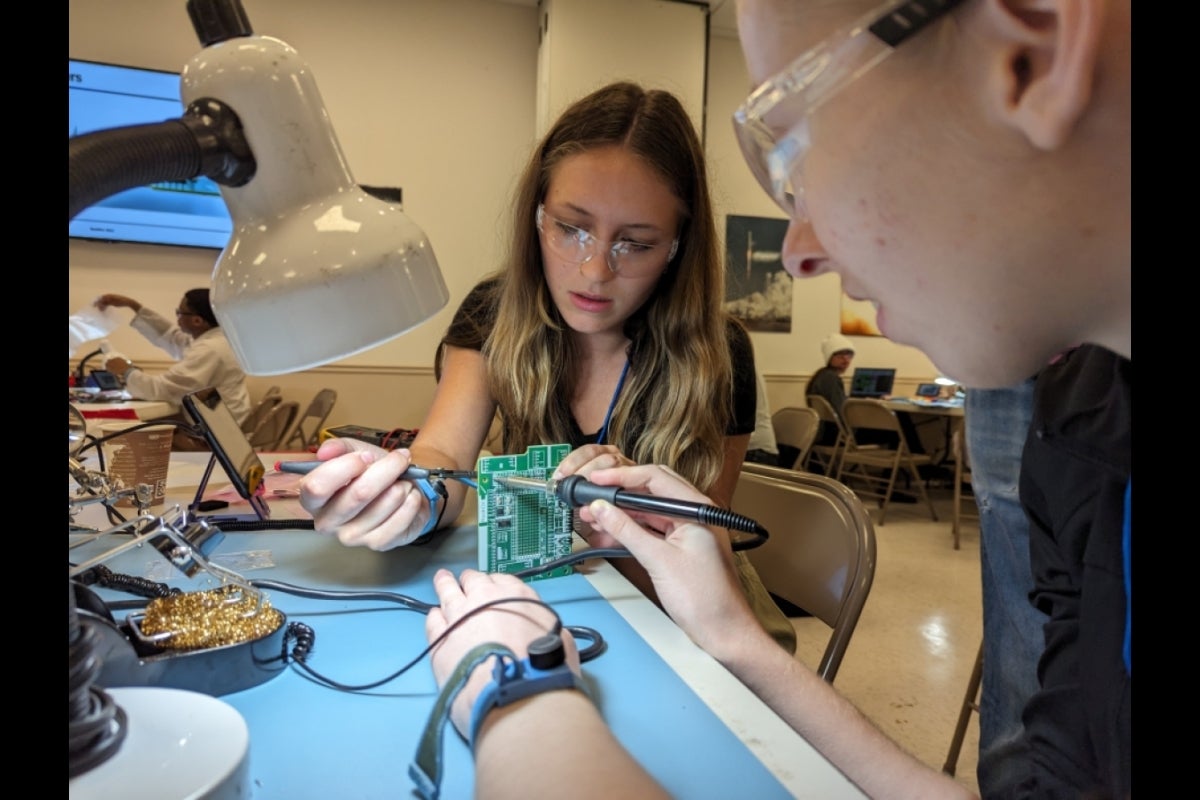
x=545, y=670
x=426, y=770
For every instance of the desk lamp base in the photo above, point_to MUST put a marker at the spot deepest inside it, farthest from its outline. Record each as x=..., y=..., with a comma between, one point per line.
x=178, y=745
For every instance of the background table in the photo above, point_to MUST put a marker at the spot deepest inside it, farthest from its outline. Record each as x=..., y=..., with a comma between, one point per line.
x=935, y=425
x=126, y=409
x=684, y=717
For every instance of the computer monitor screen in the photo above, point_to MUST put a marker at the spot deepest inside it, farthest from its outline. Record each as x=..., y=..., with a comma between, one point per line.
x=188, y=212
x=872, y=382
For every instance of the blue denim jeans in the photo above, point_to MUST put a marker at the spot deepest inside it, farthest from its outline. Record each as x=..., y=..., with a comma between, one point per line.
x=997, y=421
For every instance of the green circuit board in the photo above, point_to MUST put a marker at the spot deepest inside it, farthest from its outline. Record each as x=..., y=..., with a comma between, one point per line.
x=522, y=528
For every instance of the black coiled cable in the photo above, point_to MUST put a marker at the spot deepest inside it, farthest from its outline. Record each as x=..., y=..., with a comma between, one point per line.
x=104, y=577
x=96, y=724
x=265, y=525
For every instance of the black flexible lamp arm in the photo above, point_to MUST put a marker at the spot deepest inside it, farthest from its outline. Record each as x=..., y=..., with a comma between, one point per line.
x=207, y=140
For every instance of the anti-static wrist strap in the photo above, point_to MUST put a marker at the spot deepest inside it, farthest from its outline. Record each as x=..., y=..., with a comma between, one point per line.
x=426, y=770
x=432, y=493
x=512, y=680
x=515, y=680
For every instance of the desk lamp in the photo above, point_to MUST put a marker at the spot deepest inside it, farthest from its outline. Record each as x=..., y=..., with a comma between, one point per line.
x=316, y=270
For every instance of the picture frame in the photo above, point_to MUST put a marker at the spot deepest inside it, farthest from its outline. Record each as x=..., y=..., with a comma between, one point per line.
x=758, y=290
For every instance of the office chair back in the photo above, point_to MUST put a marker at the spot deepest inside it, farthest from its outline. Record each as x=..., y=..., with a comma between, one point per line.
x=307, y=433
x=795, y=430
x=269, y=434
x=820, y=554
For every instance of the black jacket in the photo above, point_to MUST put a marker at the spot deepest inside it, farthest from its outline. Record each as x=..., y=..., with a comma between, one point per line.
x=1075, y=469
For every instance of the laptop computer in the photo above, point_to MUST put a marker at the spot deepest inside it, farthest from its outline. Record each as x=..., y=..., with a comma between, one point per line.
x=872, y=382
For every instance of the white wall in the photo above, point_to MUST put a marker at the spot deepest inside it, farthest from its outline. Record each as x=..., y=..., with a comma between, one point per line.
x=586, y=44
x=437, y=97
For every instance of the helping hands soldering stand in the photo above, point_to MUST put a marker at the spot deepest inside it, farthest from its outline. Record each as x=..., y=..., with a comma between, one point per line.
x=192, y=624
x=100, y=487
x=236, y=642
x=242, y=650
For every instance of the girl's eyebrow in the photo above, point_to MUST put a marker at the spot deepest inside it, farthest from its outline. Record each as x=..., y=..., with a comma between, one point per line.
x=632, y=226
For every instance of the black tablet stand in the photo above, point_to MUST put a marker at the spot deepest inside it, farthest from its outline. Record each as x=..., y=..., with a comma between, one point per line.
x=259, y=504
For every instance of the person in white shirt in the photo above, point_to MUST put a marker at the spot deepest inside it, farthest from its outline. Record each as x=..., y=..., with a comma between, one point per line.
x=195, y=339
x=762, y=447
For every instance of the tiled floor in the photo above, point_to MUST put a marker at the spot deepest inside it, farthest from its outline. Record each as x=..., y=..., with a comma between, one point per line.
x=911, y=656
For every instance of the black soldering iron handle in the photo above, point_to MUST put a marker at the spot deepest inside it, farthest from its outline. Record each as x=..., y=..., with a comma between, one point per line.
x=576, y=491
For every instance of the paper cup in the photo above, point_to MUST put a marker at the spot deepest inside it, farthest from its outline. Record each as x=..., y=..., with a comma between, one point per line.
x=139, y=456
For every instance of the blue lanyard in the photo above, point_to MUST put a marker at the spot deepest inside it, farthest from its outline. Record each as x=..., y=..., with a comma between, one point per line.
x=612, y=403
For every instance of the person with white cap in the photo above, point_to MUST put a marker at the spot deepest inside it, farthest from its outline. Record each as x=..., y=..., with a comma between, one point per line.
x=838, y=352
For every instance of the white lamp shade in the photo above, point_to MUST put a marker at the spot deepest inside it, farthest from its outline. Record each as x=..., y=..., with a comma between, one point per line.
x=316, y=268
x=340, y=277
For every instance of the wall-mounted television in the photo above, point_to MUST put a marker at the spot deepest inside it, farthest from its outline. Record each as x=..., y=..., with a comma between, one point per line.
x=188, y=213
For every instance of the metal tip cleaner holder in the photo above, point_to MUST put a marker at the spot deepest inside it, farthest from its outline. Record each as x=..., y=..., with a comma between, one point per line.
x=214, y=641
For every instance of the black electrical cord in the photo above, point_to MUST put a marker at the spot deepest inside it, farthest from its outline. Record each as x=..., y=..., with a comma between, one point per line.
x=96, y=441
x=597, y=647
x=304, y=636
x=410, y=603
x=79, y=377
x=265, y=525
x=573, y=558
x=105, y=578
x=327, y=681
x=96, y=724
x=754, y=541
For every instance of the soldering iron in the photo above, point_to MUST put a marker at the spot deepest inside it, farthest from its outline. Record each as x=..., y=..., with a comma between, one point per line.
x=575, y=491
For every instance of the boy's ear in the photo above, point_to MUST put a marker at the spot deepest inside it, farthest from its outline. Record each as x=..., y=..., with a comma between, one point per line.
x=1045, y=64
